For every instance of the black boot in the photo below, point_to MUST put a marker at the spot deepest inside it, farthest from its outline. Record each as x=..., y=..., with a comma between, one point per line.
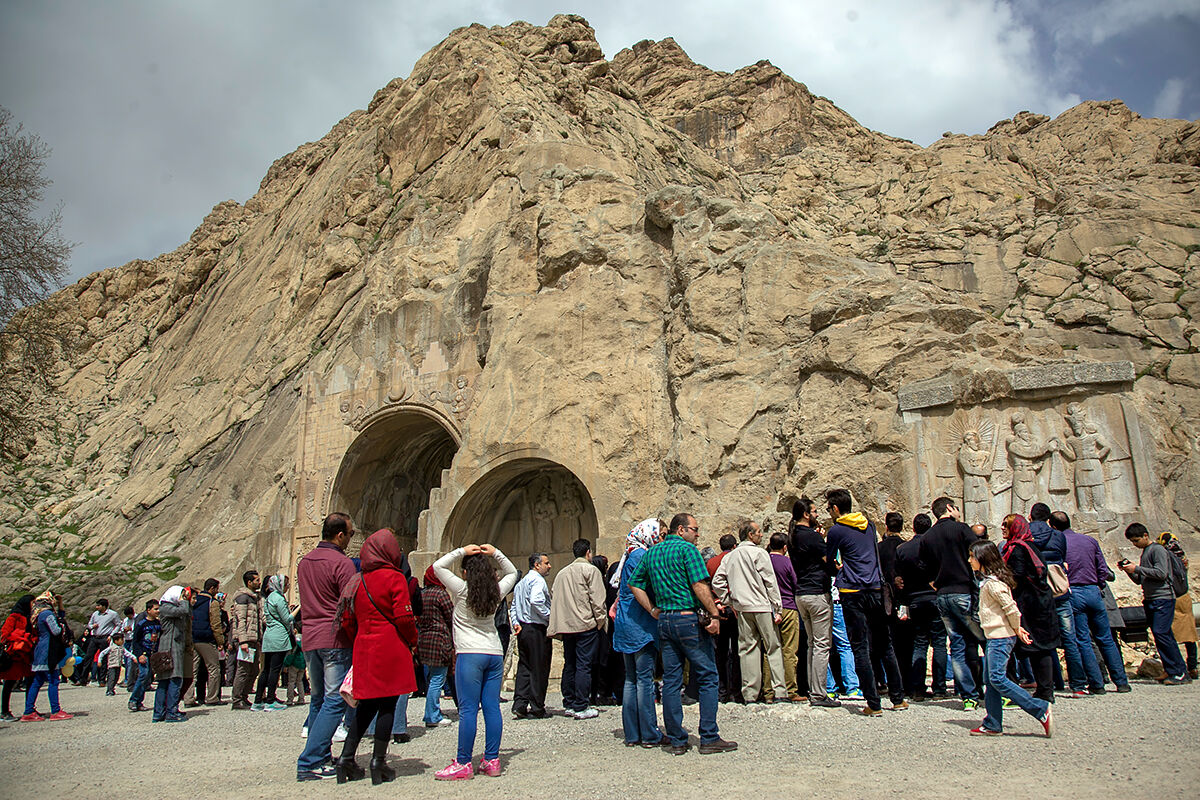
x=349, y=770
x=380, y=771
x=401, y=738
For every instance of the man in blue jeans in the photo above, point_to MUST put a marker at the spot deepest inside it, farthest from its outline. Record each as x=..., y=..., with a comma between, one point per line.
x=1087, y=570
x=674, y=573
x=321, y=576
x=1153, y=574
x=1049, y=534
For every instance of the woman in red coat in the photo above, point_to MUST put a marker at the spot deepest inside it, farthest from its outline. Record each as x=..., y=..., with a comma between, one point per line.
x=18, y=637
x=376, y=611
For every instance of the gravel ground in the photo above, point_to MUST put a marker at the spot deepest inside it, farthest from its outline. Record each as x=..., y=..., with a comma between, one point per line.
x=1139, y=744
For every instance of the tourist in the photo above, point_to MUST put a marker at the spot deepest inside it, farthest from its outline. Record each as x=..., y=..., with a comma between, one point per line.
x=635, y=636
x=729, y=670
x=806, y=550
x=175, y=613
x=928, y=630
x=145, y=643
x=608, y=674
x=789, y=617
x=1031, y=591
x=376, y=614
x=944, y=549
x=529, y=616
x=110, y=660
x=277, y=641
x=101, y=625
x=1001, y=622
x=745, y=580
x=893, y=595
x=208, y=639
x=294, y=665
x=400, y=715
x=248, y=624
x=675, y=574
x=1153, y=574
x=841, y=677
x=476, y=592
x=980, y=530
x=322, y=575
x=435, y=646
x=49, y=623
x=859, y=582
x=1088, y=571
x=1184, y=626
x=19, y=636
x=1052, y=544
x=577, y=616
x=127, y=625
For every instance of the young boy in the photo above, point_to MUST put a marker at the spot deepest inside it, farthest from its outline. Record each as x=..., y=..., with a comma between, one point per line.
x=110, y=661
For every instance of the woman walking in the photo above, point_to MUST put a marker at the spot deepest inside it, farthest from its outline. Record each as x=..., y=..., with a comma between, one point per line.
x=48, y=652
x=1036, y=602
x=479, y=665
x=175, y=614
x=435, y=645
x=1001, y=622
x=376, y=610
x=19, y=638
x=277, y=642
x=635, y=636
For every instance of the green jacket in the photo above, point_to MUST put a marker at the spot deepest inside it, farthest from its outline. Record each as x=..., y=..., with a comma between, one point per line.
x=279, y=624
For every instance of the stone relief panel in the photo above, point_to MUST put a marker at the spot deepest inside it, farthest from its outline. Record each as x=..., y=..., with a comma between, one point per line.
x=545, y=512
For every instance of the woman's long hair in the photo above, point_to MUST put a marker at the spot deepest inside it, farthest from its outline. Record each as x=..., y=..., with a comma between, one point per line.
x=990, y=562
x=483, y=592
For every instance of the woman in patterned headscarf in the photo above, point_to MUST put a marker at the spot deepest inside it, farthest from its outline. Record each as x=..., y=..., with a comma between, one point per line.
x=278, y=638
x=47, y=653
x=635, y=634
x=1184, y=626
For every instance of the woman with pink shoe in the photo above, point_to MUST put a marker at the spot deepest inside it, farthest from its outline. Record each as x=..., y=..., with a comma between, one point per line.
x=47, y=618
x=477, y=577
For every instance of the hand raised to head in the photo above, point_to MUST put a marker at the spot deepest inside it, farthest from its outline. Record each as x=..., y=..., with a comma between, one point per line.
x=472, y=550
x=487, y=549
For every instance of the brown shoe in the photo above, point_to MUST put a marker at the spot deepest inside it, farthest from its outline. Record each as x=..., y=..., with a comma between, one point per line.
x=871, y=712
x=717, y=746
x=901, y=706
x=797, y=698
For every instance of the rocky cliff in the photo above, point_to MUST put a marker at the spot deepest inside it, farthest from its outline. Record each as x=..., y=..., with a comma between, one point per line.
x=693, y=289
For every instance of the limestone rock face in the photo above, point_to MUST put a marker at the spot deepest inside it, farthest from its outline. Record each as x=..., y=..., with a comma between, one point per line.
x=529, y=294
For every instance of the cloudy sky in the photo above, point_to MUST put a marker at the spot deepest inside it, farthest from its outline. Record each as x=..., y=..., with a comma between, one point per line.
x=157, y=110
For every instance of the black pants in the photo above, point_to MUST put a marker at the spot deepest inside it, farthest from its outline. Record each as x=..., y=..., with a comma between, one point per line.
x=95, y=645
x=870, y=639
x=533, y=670
x=268, y=679
x=579, y=659
x=929, y=632
x=9, y=686
x=729, y=666
x=367, y=710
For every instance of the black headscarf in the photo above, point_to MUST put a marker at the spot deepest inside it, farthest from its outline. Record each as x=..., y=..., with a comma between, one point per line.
x=24, y=606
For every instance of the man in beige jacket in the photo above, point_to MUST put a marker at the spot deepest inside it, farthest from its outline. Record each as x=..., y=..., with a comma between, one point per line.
x=577, y=616
x=746, y=581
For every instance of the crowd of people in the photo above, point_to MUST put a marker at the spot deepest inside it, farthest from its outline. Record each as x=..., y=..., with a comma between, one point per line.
x=815, y=614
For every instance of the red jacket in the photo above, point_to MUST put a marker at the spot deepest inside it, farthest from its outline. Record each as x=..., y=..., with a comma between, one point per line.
x=383, y=662
x=20, y=641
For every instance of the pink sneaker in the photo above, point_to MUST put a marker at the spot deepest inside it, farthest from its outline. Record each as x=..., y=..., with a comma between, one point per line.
x=490, y=768
x=58, y=716
x=455, y=772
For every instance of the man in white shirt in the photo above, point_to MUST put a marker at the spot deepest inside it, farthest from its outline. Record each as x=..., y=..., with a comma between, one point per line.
x=100, y=626
x=746, y=581
x=529, y=615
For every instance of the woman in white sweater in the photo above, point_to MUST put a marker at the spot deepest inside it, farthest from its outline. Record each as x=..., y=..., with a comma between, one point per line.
x=477, y=577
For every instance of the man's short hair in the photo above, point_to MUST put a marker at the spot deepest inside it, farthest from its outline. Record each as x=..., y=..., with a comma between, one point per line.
x=727, y=542
x=581, y=547
x=980, y=530
x=1136, y=531
x=893, y=521
x=129, y=610
x=921, y=523
x=1060, y=521
x=1039, y=512
x=336, y=523
x=212, y=584
x=680, y=520
x=839, y=499
x=535, y=559
x=940, y=506
x=778, y=542
x=249, y=575
x=151, y=604
x=745, y=527
x=102, y=602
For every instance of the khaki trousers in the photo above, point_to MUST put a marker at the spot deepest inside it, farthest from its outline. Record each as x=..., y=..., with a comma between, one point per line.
x=816, y=611
x=206, y=653
x=789, y=640
x=756, y=637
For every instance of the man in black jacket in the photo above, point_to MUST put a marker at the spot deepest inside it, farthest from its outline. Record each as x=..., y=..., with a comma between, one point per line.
x=806, y=549
x=208, y=636
x=916, y=592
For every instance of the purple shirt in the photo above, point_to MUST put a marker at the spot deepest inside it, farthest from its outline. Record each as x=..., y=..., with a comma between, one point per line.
x=322, y=574
x=785, y=576
x=1085, y=563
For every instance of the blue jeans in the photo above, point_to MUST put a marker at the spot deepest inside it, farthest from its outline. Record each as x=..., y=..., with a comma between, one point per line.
x=48, y=679
x=399, y=722
x=962, y=623
x=435, y=677
x=1091, y=619
x=638, y=717
x=681, y=639
x=1161, y=614
x=166, y=699
x=845, y=654
x=477, y=679
x=327, y=668
x=138, y=696
x=999, y=686
x=1076, y=675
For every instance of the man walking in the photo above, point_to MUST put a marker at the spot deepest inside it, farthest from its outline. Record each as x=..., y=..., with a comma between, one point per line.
x=248, y=625
x=851, y=539
x=675, y=574
x=208, y=638
x=1087, y=570
x=943, y=550
x=745, y=580
x=530, y=616
x=577, y=615
x=321, y=576
x=1153, y=574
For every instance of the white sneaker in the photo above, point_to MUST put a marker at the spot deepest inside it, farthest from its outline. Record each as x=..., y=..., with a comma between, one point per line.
x=340, y=734
x=587, y=713
x=304, y=732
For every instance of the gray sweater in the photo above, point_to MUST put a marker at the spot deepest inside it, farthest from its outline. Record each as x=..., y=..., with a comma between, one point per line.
x=1154, y=573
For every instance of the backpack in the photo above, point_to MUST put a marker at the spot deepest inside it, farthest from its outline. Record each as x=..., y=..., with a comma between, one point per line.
x=1178, y=577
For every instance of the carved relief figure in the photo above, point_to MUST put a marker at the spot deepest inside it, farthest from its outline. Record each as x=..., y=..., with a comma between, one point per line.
x=571, y=518
x=1088, y=450
x=969, y=445
x=460, y=401
x=1027, y=458
x=545, y=509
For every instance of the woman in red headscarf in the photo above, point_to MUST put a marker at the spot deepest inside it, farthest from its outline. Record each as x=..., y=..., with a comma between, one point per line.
x=1036, y=602
x=376, y=610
